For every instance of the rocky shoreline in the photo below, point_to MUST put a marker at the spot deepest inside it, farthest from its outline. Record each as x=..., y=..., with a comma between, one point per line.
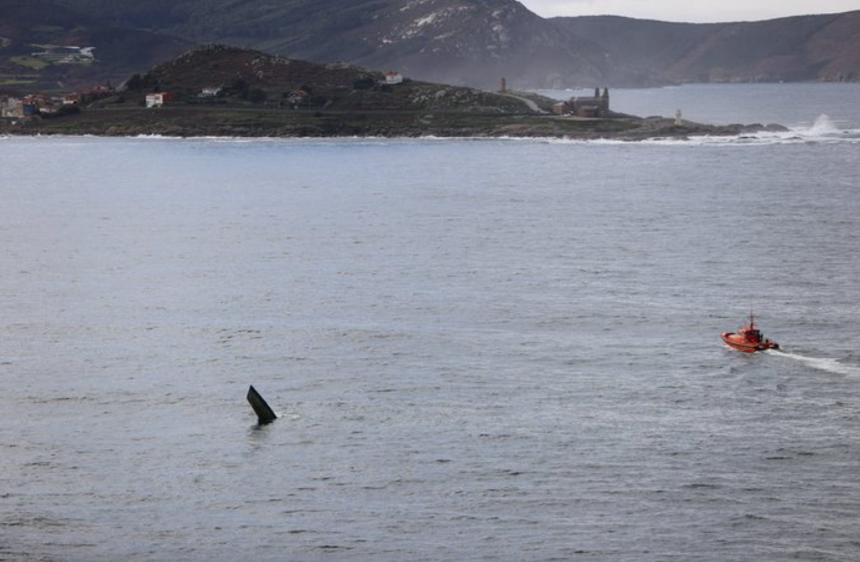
x=202, y=122
x=222, y=91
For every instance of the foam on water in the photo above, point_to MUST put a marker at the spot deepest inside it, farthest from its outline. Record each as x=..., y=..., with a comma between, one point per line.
x=823, y=125
x=830, y=365
x=822, y=131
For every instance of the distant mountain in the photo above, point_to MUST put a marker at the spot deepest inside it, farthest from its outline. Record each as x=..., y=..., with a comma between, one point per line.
x=477, y=42
x=804, y=48
x=44, y=46
x=474, y=42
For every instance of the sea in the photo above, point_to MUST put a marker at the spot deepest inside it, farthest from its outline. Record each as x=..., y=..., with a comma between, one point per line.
x=478, y=349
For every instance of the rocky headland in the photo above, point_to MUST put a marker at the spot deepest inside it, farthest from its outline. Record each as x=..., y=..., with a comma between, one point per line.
x=230, y=92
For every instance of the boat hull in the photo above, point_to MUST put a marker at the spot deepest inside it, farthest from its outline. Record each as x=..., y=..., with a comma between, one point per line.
x=740, y=343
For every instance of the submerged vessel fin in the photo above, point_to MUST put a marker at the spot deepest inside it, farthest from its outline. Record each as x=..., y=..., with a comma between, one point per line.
x=264, y=412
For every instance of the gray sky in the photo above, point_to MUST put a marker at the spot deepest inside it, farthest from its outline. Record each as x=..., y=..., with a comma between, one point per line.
x=690, y=10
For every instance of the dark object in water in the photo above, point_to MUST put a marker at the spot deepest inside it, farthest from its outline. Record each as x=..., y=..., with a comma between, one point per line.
x=265, y=414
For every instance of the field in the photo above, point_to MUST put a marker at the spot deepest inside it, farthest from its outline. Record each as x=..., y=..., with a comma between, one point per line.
x=29, y=62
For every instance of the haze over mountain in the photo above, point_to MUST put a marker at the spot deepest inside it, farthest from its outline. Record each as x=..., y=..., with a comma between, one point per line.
x=475, y=42
x=801, y=48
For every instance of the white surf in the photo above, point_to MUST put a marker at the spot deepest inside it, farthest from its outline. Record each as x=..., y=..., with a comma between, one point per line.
x=820, y=363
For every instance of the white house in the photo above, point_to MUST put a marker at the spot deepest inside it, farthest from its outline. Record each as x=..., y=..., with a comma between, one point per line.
x=393, y=78
x=158, y=100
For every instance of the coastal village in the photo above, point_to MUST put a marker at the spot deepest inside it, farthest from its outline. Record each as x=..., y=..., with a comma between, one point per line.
x=227, y=91
x=40, y=105
x=188, y=88
x=35, y=106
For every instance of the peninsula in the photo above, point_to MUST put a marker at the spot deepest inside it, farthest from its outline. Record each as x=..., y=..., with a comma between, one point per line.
x=227, y=91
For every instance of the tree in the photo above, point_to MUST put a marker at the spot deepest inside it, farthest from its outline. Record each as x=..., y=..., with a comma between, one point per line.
x=364, y=83
x=135, y=83
x=257, y=95
x=240, y=88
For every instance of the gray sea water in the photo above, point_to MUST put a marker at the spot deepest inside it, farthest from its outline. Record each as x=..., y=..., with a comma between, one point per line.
x=479, y=349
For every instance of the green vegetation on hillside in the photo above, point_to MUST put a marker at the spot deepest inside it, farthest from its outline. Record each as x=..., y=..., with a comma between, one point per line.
x=29, y=62
x=44, y=26
x=246, y=77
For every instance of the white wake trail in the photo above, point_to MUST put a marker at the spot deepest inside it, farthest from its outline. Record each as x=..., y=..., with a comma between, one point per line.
x=820, y=363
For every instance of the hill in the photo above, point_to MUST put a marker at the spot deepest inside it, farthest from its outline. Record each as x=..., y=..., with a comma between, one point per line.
x=245, y=75
x=796, y=49
x=460, y=42
x=45, y=46
x=227, y=91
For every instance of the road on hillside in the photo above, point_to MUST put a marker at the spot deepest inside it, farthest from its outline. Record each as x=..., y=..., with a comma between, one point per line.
x=531, y=105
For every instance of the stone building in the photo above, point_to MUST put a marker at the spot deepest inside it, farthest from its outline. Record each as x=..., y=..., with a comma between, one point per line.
x=584, y=106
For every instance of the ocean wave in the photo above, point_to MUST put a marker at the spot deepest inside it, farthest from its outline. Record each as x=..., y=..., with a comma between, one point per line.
x=822, y=131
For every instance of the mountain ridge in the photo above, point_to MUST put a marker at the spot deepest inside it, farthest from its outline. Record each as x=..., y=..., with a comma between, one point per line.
x=822, y=47
x=462, y=42
x=472, y=42
x=35, y=34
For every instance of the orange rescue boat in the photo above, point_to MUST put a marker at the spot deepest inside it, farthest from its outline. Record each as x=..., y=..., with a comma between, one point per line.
x=748, y=339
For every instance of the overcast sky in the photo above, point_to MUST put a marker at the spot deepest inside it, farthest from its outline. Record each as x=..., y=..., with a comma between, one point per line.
x=691, y=10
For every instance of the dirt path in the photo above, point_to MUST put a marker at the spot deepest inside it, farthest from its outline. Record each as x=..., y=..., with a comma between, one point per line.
x=529, y=103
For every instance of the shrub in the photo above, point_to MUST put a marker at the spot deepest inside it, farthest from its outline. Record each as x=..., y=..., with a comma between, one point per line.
x=256, y=95
x=365, y=83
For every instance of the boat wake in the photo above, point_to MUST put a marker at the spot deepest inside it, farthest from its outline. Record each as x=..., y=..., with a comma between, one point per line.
x=820, y=363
